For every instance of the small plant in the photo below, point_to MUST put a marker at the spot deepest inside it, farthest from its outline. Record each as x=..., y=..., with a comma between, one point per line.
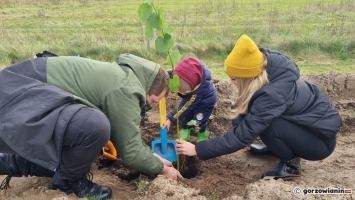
x=213, y=197
x=194, y=125
x=142, y=185
x=155, y=26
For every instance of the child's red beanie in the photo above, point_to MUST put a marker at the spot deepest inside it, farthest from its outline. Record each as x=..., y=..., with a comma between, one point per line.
x=190, y=70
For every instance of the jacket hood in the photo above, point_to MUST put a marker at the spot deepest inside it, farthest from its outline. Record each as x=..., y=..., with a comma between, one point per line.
x=145, y=70
x=207, y=77
x=280, y=67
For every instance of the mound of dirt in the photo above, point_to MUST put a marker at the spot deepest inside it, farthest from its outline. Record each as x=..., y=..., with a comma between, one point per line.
x=233, y=176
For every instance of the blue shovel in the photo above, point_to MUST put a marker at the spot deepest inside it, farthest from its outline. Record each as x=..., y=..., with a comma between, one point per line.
x=164, y=147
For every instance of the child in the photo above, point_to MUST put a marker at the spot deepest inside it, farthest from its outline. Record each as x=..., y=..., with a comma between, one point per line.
x=198, y=97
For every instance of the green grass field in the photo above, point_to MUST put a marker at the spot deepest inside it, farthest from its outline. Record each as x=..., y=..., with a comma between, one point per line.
x=319, y=34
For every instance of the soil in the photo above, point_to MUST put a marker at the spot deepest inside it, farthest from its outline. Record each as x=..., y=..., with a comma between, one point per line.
x=234, y=176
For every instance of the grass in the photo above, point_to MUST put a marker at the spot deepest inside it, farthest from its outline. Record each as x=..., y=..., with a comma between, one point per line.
x=213, y=197
x=318, y=35
x=142, y=185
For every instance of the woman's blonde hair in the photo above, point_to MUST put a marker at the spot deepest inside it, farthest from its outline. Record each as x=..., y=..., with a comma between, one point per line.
x=246, y=88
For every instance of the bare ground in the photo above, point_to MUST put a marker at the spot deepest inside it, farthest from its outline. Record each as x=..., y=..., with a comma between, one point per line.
x=234, y=176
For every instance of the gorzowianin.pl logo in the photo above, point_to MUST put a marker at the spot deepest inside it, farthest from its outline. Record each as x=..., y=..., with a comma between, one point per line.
x=305, y=191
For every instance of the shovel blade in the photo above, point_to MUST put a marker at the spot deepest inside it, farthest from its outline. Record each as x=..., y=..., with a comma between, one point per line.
x=170, y=154
x=164, y=147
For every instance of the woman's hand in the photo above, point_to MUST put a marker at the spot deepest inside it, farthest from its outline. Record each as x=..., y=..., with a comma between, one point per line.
x=185, y=148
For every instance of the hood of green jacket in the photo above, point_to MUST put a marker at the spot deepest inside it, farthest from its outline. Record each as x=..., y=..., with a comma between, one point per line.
x=145, y=70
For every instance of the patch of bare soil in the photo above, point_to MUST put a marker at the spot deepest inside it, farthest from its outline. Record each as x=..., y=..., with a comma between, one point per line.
x=234, y=176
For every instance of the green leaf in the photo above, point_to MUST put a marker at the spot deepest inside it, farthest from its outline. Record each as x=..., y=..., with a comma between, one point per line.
x=144, y=11
x=174, y=83
x=149, y=1
x=161, y=21
x=192, y=123
x=153, y=21
x=148, y=31
x=164, y=44
x=173, y=57
x=168, y=29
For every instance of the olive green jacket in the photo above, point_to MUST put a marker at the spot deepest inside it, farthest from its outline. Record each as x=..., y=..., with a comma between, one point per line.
x=118, y=89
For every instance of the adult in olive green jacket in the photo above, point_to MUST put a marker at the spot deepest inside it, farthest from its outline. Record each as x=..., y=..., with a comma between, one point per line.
x=46, y=104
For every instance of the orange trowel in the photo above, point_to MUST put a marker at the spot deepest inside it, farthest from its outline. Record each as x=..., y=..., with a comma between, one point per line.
x=164, y=146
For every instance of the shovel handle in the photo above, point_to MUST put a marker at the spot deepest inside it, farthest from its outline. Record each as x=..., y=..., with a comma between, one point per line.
x=109, y=151
x=162, y=111
x=164, y=140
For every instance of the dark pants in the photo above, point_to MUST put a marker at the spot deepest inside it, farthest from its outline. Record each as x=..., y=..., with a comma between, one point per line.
x=288, y=140
x=201, y=115
x=87, y=132
x=85, y=135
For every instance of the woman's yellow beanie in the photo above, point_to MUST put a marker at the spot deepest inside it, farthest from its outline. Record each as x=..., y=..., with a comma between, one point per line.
x=245, y=60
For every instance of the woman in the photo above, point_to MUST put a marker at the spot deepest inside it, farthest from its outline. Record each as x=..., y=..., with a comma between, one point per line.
x=293, y=117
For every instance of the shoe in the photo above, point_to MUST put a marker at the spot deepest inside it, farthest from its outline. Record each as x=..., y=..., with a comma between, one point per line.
x=184, y=134
x=82, y=187
x=8, y=165
x=15, y=166
x=259, y=148
x=285, y=169
x=202, y=136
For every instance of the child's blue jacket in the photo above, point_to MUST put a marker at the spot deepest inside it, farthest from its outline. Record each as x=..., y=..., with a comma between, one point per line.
x=205, y=95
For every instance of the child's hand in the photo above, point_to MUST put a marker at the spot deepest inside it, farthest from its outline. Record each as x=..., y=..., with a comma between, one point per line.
x=167, y=124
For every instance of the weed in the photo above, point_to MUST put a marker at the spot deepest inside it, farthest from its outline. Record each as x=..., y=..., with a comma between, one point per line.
x=142, y=184
x=213, y=197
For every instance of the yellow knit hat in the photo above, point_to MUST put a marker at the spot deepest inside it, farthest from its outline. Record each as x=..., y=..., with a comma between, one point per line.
x=245, y=60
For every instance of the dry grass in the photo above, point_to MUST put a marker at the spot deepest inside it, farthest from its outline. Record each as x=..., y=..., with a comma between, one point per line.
x=206, y=29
